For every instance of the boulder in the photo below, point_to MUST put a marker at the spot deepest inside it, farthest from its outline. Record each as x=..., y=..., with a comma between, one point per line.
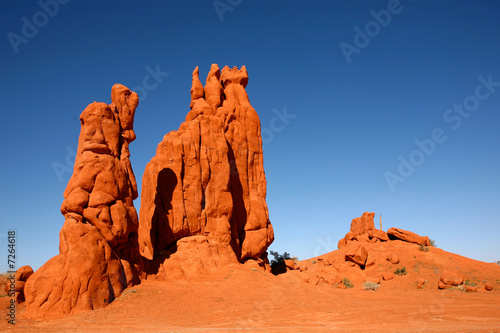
x=350, y=236
x=23, y=273
x=442, y=285
x=408, y=236
x=378, y=234
x=387, y=276
x=290, y=264
x=452, y=278
x=420, y=283
x=393, y=258
x=488, y=286
x=356, y=253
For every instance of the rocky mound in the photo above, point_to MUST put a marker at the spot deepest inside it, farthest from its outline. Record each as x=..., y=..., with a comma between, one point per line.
x=395, y=258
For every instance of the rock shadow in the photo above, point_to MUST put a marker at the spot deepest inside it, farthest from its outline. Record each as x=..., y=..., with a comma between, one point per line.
x=161, y=232
x=239, y=215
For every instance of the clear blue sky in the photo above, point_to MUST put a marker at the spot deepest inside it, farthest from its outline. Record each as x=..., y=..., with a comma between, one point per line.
x=353, y=120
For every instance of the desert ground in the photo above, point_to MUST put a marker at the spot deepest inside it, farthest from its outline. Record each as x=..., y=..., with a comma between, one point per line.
x=243, y=298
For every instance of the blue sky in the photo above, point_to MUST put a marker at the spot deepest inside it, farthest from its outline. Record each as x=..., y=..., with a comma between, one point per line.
x=356, y=114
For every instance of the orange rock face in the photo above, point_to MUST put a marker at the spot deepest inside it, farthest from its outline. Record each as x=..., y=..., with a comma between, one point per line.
x=207, y=178
x=98, y=247
x=363, y=230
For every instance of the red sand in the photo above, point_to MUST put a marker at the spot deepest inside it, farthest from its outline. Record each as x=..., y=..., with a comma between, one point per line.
x=245, y=299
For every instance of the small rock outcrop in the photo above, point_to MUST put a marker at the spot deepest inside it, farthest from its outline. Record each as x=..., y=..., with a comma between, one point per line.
x=98, y=249
x=363, y=230
x=408, y=236
x=207, y=179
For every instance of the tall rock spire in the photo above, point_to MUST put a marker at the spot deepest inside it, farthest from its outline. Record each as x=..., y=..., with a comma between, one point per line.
x=207, y=179
x=98, y=242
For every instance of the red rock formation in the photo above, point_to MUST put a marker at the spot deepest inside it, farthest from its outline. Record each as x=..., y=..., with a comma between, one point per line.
x=408, y=236
x=362, y=225
x=363, y=230
x=207, y=179
x=98, y=241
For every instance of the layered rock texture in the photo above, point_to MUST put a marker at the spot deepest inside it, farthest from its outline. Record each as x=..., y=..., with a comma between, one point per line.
x=205, y=189
x=98, y=249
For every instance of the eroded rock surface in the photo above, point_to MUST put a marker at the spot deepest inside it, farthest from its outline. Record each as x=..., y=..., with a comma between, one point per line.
x=98, y=248
x=207, y=179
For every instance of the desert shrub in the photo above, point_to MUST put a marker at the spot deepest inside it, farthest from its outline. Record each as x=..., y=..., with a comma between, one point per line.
x=314, y=261
x=400, y=271
x=433, y=243
x=470, y=283
x=347, y=283
x=423, y=248
x=371, y=286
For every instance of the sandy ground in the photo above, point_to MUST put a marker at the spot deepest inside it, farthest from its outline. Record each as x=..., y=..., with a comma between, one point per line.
x=252, y=300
